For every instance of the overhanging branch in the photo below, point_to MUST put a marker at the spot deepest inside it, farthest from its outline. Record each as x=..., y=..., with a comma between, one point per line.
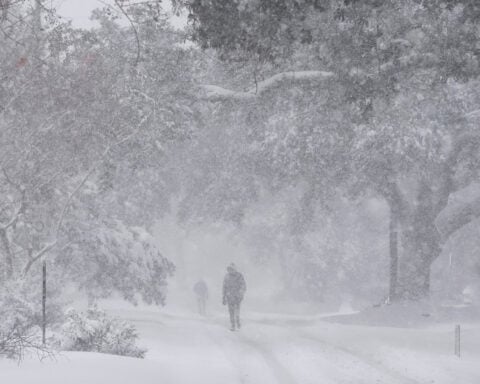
x=215, y=93
x=455, y=217
x=449, y=221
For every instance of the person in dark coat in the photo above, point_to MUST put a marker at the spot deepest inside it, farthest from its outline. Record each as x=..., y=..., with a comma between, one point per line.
x=234, y=288
x=201, y=291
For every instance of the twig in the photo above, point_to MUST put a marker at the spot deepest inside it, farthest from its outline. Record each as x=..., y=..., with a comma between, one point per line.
x=137, y=59
x=20, y=209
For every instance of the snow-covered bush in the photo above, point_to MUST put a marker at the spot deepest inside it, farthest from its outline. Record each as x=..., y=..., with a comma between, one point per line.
x=19, y=325
x=16, y=338
x=95, y=331
x=16, y=327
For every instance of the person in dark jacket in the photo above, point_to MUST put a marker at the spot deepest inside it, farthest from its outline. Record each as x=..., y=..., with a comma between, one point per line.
x=201, y=291
x=234, y=288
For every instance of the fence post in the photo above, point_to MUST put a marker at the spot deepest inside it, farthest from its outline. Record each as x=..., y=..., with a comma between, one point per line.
x=457, y=340
x=44, y=301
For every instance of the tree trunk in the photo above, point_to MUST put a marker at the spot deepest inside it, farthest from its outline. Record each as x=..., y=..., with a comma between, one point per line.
x=420, y=247
x=8, y=255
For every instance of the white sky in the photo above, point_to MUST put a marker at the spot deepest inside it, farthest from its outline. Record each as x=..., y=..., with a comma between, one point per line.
x=78, y=11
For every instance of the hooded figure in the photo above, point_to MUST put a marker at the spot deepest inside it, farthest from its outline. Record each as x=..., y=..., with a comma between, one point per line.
x=201, y=291
x=234, y=288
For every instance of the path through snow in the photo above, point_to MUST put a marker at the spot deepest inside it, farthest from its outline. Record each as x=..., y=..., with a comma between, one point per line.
x=270, y=349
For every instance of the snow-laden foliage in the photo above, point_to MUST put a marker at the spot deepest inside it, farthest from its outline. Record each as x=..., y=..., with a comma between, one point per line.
x=84, y=138
x=20, y=319
x=345, y=103
x=18, y=322
x=121, y=259
x=95, y=331
x=396, y=117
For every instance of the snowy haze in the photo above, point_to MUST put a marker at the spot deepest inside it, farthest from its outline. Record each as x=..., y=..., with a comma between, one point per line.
x=274, y=192
x=79, y=12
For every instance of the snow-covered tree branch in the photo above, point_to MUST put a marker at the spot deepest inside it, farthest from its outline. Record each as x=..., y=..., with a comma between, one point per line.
x=216, y=93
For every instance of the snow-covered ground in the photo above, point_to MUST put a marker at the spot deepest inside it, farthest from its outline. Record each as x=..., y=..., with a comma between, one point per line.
x=270, y=348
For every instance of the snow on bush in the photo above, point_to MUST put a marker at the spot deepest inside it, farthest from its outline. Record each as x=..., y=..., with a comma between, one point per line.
x=95, y=331
x=19, y=325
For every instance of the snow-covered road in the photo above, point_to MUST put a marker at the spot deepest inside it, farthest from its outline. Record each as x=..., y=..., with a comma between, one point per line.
x=270, y=349
x=285, y=349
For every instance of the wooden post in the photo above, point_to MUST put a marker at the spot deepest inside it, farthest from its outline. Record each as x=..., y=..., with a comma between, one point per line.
x=393, y=255
x=457, y=340
x=44, y=301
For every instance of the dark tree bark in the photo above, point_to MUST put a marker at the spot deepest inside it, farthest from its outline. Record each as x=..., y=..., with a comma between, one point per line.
x=419, y=251
x=421, y=243
x=7, y=253
x=393, y=255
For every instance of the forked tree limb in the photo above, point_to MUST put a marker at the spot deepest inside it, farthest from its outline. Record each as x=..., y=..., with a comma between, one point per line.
x=455, y=217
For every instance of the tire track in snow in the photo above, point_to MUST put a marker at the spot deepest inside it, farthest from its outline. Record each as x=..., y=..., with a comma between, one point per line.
x=362, y=358
x=280, y=374
x=227, y=353
x=207, y=334
x=279, y=371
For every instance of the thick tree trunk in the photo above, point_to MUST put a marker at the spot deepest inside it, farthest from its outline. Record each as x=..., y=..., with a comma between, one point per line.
x=420, y=248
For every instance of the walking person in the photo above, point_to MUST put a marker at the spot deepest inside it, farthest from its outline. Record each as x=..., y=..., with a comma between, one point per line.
x=201, y=291
x=234, y=288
